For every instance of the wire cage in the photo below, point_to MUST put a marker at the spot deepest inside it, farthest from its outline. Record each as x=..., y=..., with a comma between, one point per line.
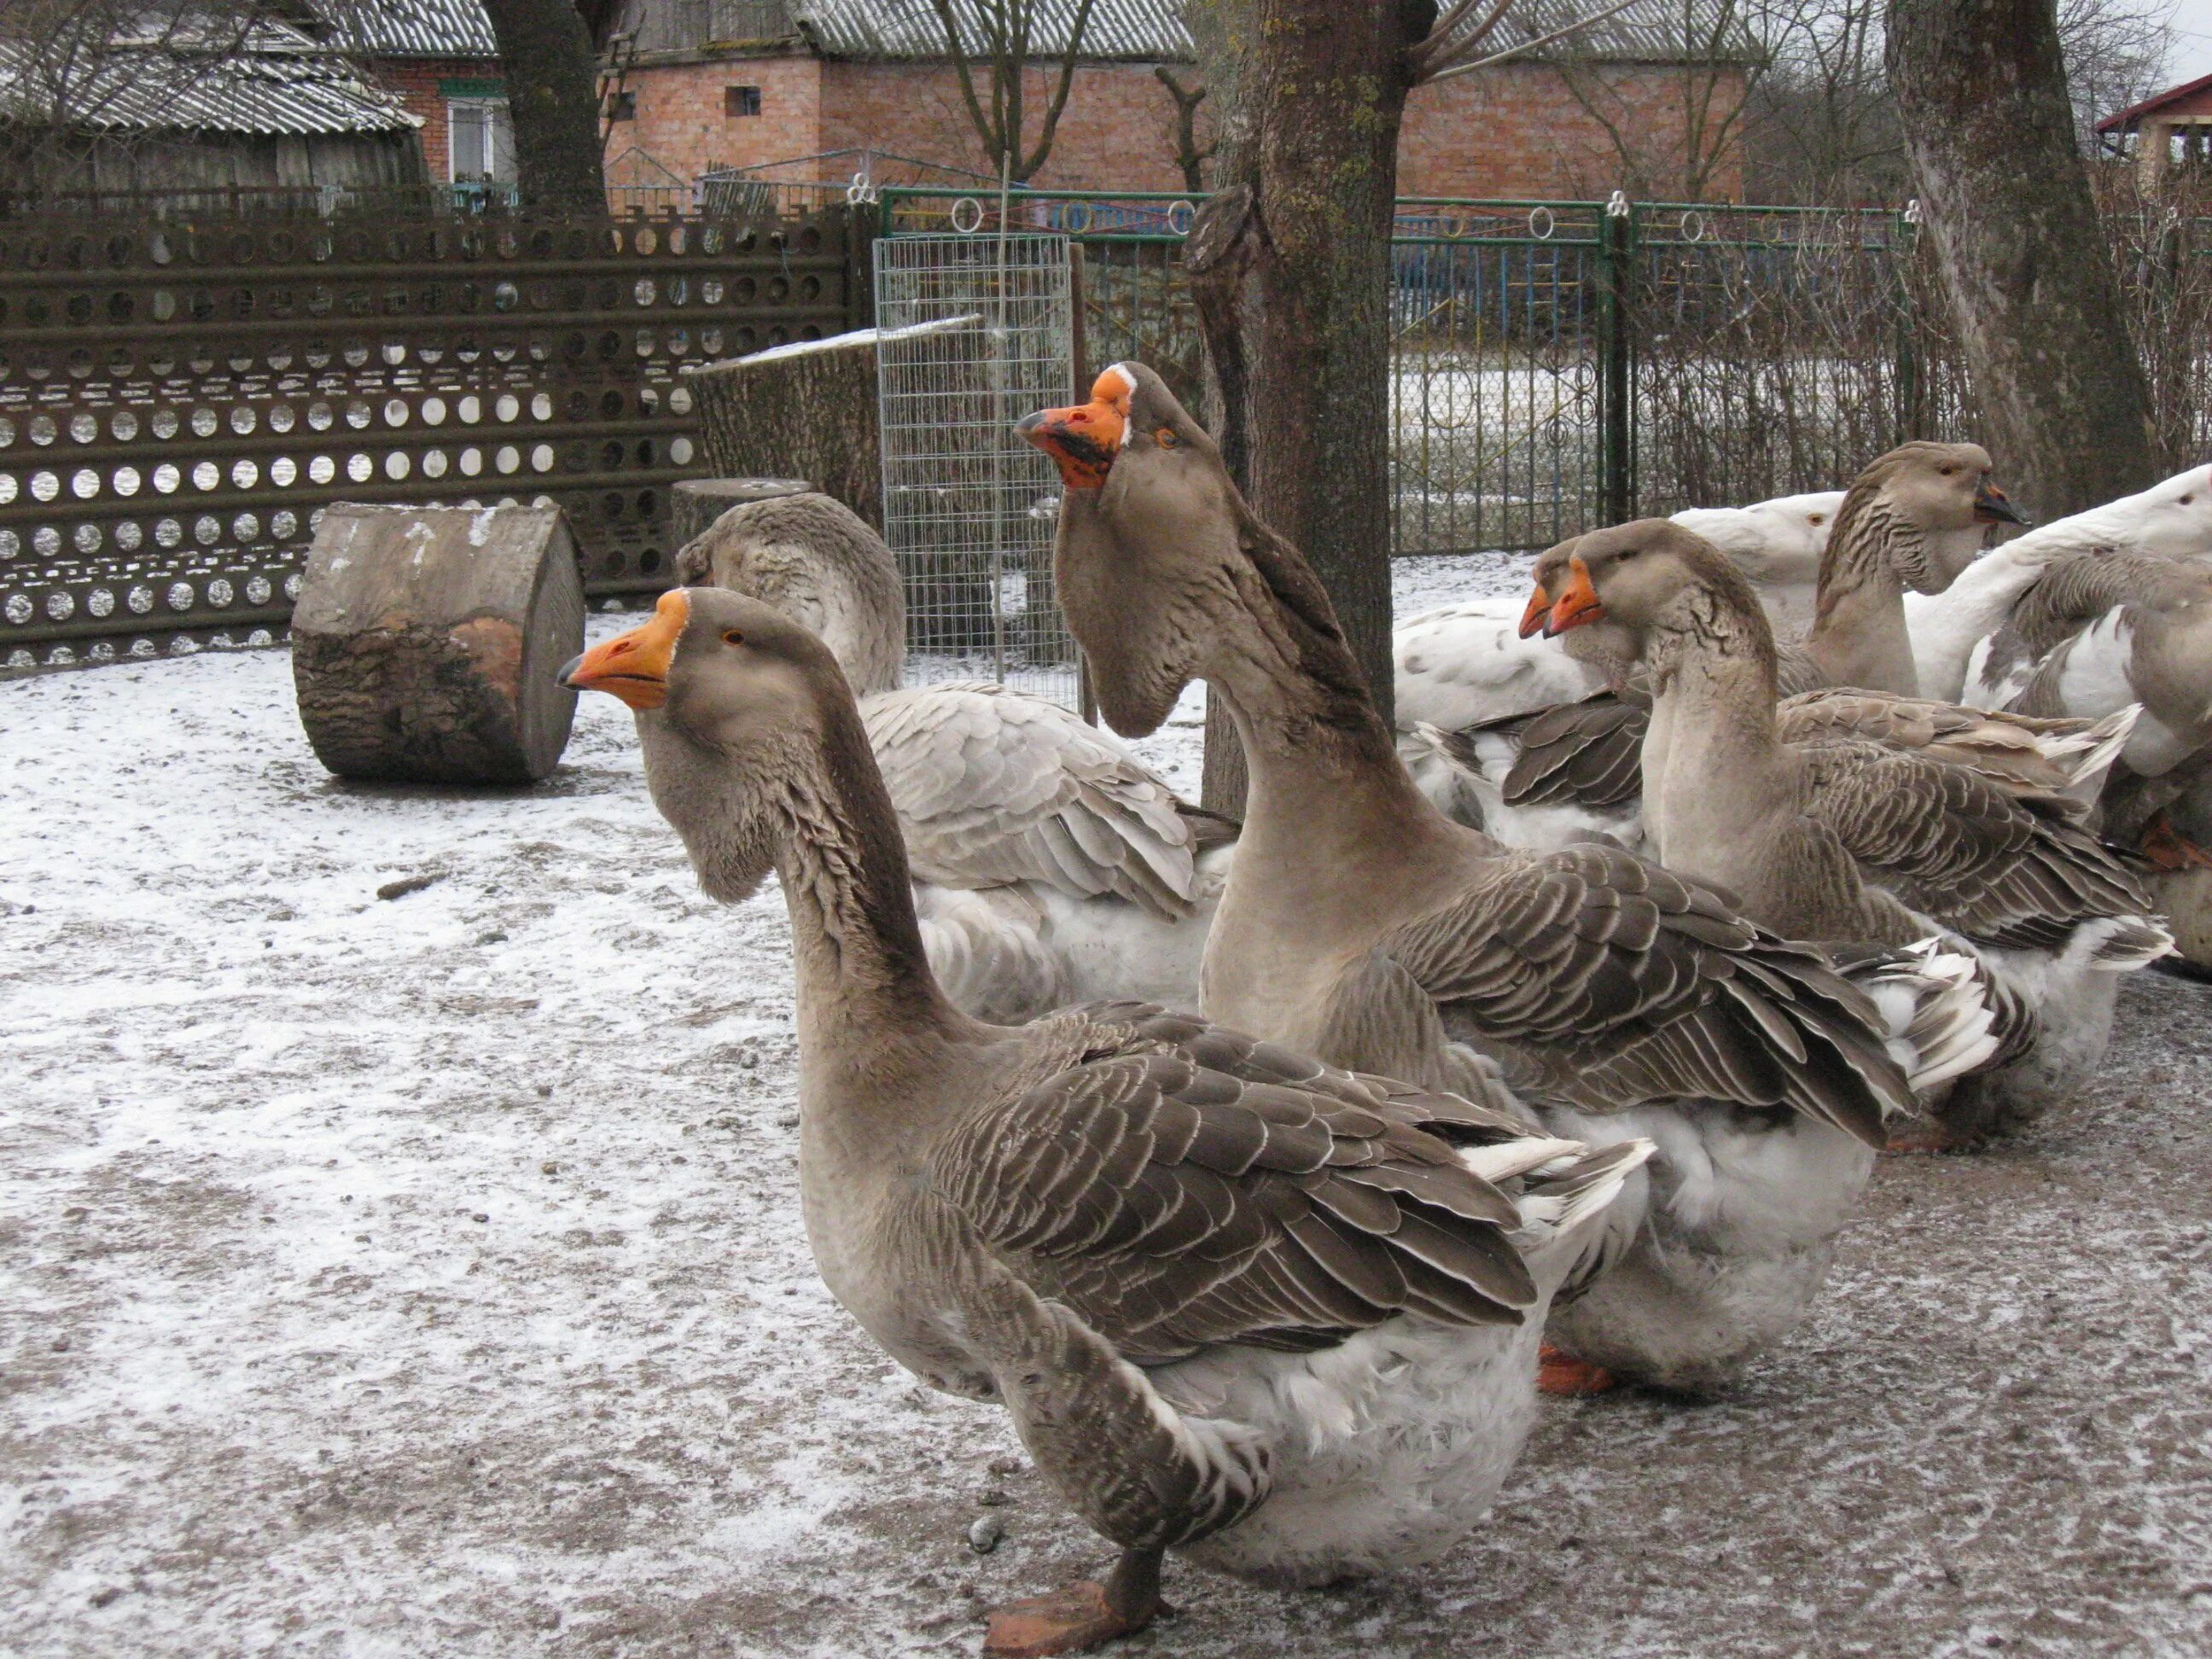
x=969, y=508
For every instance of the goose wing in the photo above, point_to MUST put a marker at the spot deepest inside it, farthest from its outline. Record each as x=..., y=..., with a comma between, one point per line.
x=1995, y=867
x=1178, y=1185
x=2014, y=751
x=992, y=786
x=1603, y=981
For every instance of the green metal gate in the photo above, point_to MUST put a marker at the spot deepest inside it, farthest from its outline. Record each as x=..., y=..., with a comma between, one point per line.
x=1560, y=365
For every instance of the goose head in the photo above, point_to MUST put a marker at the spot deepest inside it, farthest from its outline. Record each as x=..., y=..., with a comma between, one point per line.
x=1778, y=542
x=816, y=560
x=1931, y=503
x=1605, y=647
x=736, y=704
x=2174, y=517
x=1151, y=544
x=1647, y=574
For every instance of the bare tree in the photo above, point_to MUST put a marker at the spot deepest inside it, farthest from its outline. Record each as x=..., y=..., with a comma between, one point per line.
x=1290, y=264
x=1676, y=152
x=998, y=40
x=1182, y=133
x=1981, y=86
x=1821, y=127
x=2117, y=52
x=82, y=76
x=553, y=99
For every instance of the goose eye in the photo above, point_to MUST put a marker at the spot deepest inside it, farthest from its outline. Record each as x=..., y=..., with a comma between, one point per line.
x=1947, y=471
x=1819, y=518
x=1165, y=438
x=733, y=637
x=2186, y=500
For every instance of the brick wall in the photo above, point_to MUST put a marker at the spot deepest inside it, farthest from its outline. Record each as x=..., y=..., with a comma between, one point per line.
x=1514, y=130
x=681, y=122
x=1518, y=130
x=416, y=81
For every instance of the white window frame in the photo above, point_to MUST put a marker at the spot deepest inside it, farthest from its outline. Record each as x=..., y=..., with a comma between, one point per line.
x=489, y=115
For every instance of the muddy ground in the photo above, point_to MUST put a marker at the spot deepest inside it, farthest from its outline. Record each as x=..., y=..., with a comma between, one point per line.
x=420, y=1275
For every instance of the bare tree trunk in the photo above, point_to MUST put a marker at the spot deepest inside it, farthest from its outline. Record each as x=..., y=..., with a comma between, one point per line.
x=553, y=99
x=1293, y=275
x=1981, y=90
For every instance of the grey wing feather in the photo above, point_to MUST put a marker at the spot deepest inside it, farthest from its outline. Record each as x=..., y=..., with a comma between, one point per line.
x=994, y=787
x=1178, y=1185
x=1991, y=864
x=1604, y=981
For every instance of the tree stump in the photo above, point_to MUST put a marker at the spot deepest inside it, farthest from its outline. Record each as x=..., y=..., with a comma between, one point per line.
x=806, y=410
x=696, y=503
x=426, y=640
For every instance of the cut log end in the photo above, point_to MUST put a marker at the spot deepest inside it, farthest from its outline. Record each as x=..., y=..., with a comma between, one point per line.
x=426, y=641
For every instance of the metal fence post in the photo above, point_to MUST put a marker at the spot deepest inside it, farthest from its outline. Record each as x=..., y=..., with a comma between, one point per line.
x=1911, y=393
x=1616, y=361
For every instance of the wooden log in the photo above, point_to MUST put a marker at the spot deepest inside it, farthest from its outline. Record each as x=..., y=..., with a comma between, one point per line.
x=426, y=639
x=696, y=503
x=806, y=411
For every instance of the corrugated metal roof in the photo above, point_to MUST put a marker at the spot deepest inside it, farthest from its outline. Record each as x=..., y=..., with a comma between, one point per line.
x=1149, y=30
x=282, y=83
x=1152, y=30
x=409, y=28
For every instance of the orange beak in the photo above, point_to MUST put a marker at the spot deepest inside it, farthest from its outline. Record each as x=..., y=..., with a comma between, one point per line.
x=634, y=666
x=1577, y=605
x=1992, y=506
x=1086, y=439
x=1539, y=608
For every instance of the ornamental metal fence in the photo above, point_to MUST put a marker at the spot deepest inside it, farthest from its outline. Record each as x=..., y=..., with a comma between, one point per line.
x=180, y=397
x=1559, y=365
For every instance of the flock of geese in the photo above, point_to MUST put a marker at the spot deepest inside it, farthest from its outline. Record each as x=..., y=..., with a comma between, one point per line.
x=1546, y=1039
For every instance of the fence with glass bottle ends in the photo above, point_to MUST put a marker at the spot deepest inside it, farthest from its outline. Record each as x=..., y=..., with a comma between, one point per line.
x=180, y=399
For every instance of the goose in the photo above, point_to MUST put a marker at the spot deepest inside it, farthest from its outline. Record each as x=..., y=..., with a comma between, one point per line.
x=1776, y=544
x=1848, y=842
x=1567, y=773
x=1363, y=926
x=1471, y=662
x=1051, y=865
x=1274, y=1315
x=2171, y=519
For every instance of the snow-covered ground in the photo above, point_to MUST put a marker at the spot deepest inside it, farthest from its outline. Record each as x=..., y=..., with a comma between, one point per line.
x=421, y=1274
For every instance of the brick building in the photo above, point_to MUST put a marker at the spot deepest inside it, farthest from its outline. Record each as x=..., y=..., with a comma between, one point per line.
x=710, y=84
x=2170, y=131
x=440, y=58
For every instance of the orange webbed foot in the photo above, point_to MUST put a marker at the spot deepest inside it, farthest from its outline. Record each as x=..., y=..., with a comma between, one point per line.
x=1079, y=1618
x=1561, y=1373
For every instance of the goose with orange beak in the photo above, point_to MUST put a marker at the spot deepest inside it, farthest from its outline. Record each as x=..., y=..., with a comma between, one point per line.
x=1238, y=1304
x=1595, y=989
x=1856, y=843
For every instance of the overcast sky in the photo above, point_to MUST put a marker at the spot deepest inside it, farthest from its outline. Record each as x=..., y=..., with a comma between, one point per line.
x=2192, y=46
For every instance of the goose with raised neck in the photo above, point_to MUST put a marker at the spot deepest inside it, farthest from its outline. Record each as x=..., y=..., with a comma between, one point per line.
x=1361, y=923
x=1561, y=773
x=1051, y=865
x=1273, y=1317
x=1850, y=842
x=1913, y=519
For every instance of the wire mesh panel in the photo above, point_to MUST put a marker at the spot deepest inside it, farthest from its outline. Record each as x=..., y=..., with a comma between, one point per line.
x=1494, y=376
x=969, y=508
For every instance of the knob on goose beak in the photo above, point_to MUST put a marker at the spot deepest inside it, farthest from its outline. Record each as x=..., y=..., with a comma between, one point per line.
x=1086, y=438
x=1539, y=607
x=1577, y=605
x=1992, y=507
x=634, y=666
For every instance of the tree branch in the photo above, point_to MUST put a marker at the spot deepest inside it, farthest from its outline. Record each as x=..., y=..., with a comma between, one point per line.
x=1076, y=29
x=1527, y=47
x=1438, y=51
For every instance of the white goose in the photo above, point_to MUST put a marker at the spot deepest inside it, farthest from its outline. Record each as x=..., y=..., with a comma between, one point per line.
x=1474, y=661
x=2171, y=519
x=1050, y=864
